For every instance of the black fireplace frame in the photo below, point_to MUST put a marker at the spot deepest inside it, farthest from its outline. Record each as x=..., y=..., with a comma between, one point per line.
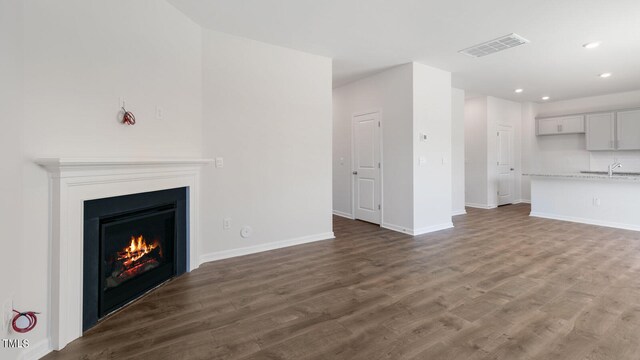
x=99, y=210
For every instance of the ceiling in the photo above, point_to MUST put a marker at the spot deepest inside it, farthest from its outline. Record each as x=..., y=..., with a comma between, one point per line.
x=367, y=36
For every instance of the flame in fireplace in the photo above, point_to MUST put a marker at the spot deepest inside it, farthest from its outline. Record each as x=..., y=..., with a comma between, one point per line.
x=136, y=258
x=137, y=250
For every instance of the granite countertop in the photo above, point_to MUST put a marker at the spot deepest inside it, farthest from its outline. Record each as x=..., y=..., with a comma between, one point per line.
x=587, y=176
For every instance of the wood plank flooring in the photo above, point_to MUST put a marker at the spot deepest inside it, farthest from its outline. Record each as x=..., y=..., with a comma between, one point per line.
x=500, y=285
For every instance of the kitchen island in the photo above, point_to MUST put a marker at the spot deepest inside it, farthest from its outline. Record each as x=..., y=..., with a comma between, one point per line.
x=589, y=198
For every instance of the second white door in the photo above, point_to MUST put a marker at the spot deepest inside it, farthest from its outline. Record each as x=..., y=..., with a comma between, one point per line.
x=366, y=167
x=506, y=176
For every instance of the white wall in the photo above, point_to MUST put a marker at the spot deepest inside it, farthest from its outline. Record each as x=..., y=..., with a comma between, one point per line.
x=528, y=141
x=567, y=153
x=391, y=93
x=78, y=60
x=457, y=152
x=96, y=52
x=475, y=139
x=412, y=99
x=11, y=118
x=342, y=197
x=557, y=153
x=431, y=181
x=589, y=104
x=267, y=112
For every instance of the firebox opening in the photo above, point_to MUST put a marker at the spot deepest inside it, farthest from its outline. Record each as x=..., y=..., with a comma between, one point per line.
x=136, y=254
x=133, y=243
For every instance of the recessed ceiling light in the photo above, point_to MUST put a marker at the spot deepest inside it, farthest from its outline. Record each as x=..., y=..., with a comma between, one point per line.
x=605, y=75
x=591, y=45
x=545, y=98
x=518, y=91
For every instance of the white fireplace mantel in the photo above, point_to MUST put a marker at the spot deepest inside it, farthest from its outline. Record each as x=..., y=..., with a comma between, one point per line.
x=63, y=165
x=75, y=180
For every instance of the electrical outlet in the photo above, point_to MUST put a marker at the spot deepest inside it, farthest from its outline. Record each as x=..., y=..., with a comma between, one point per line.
x=246, y=231
x=219, y=162
x=226, y=224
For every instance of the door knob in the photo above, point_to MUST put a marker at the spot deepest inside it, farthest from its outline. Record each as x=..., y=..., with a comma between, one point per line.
x=355, y=173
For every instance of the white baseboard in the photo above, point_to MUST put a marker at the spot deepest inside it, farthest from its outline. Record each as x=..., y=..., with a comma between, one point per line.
x=343, y=214
x=458, y=212
x=397, y=228
x=226, y=254
x=522, y=201
x=36, y=351
x=480, y=206
x=420, y=231
x=586, y=221
x=429, y=229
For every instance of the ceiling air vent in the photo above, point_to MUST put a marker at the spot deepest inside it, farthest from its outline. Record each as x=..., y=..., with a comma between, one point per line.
x=493, y=46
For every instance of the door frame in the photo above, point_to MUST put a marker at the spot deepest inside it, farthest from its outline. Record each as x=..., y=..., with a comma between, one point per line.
x=353, y=158
x=511, y=129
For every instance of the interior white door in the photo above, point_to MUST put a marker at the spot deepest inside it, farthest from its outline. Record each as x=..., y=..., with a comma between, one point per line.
x=366, y=167
x=506, y=175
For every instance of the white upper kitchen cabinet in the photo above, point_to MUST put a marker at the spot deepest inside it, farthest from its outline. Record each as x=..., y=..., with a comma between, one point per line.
x=601, y=131
x=572, y=124
x=628, y=130
x=561, y=125
x=548, y=126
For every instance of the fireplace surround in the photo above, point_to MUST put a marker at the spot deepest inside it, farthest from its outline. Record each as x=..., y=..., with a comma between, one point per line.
x=73, y=181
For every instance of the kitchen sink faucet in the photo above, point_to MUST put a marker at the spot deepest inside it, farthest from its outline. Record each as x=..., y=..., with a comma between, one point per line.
x=615, y=165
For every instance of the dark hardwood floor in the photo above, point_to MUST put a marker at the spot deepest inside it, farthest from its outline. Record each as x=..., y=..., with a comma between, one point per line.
x=500, y=285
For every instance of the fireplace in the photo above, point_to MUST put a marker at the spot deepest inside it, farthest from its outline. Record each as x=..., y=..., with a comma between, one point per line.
x=132, y=244
x=75, y=183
